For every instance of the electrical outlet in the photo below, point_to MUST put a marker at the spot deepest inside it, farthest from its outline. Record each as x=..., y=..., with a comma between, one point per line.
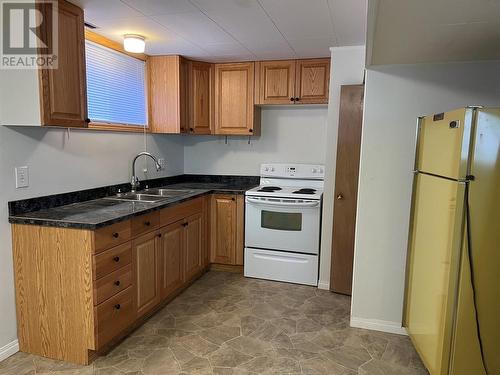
x=163, y=163
x=22, y=177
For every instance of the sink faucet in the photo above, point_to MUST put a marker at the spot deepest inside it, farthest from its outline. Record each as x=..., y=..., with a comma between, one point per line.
x=135, y=180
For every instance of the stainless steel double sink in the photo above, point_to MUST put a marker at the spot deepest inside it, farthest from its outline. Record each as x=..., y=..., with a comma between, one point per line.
x=150, y=195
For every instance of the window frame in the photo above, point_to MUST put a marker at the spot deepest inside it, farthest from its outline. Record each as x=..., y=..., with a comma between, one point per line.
x=114, y=126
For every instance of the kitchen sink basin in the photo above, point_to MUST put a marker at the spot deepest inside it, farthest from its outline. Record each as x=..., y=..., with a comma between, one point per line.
x=150, y=195
x=138, y=197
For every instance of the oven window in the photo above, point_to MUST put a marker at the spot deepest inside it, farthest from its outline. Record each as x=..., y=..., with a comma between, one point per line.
x=291, y=221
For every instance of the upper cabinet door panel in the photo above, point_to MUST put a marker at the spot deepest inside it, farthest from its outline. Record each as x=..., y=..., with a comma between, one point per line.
x=276, y=82
x=234, y=98
x=63, y=90
x=312, y=81
x=200, y=85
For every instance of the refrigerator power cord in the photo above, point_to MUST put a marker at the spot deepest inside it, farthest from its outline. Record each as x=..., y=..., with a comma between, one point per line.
x=472, y=278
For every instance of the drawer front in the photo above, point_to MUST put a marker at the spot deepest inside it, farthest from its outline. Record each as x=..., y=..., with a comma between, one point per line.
x=112, y=235
x=113, y=316
x=112, y=260
x=180, y=211
x=145, y=223
x=112, y=284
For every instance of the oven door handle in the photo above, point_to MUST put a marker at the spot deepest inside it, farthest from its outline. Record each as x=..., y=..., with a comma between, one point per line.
x=279, y=203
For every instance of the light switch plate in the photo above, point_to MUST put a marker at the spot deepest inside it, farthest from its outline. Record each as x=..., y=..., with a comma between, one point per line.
x=22, y=177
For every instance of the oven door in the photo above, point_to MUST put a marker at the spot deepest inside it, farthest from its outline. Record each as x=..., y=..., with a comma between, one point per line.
x=283, y=224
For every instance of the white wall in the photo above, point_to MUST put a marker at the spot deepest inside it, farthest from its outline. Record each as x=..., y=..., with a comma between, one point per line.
x=289, y=134
x=347, y=68
x=394, y=97
x=60, y=162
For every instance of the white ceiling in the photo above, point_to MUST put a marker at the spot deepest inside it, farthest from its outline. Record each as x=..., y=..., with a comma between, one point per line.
x=430, y=31
x=232, y=30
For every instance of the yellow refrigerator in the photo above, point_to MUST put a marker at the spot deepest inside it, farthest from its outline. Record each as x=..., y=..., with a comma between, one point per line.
x=452, y=300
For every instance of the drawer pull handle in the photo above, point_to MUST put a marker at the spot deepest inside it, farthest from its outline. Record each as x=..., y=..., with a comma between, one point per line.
x=184, y=224
x=159, y=235
x=117, y=282
x=118, y=306
x=147, y=223
x=116, y=259
x=116, y=235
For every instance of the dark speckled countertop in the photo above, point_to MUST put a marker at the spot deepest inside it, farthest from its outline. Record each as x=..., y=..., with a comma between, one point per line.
x=96, y=213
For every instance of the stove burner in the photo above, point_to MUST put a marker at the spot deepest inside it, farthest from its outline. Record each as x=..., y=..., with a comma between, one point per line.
x=269, y=188
x=305, y=191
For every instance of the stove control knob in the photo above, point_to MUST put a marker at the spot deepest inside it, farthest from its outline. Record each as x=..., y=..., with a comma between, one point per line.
x=272, y=169
x=314, y=170
x=266, y=169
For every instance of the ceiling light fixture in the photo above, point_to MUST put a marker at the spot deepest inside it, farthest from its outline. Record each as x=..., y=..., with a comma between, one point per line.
x=134, y=43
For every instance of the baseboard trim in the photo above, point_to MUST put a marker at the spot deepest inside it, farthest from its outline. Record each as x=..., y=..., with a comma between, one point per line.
x=7, y=350
x=378, y=325
x=323, y=285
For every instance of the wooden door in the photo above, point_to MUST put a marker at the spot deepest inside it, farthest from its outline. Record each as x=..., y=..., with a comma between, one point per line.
x=63, y=91
x=146, y=272
x=234, y=98
x=223, y=229
x=193, y=237
x=312, y=81
x=346, y=187
x=200, y=97
x=172, y=258
x=276, y=82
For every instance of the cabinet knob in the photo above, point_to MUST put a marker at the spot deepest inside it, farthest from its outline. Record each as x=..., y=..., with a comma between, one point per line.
x=116, y=259
x=117, y=282
x=250, y=130
x=87, y=120
x=191, y=129
x=159, y=235
x=184, y=224
x=297, y=99
x=292, y=99
x=340, y=197
x=116, y=235
x=147, y=223
x=233, y=199
x=118, y=306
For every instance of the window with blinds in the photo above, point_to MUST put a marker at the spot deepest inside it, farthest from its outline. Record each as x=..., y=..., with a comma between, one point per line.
x=116, y=89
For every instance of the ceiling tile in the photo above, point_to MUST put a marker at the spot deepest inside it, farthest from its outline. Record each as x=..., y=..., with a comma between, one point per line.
x=268, y=46
x=97, y=11
x=312, y=47
x=298, y=19
x=156, y=7
x=221, y=49
x=251, y=24
x=241, y=5
x=349, y=21
x=194, y=26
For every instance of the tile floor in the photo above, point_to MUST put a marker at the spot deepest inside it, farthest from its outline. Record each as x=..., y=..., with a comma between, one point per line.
x=226, y=324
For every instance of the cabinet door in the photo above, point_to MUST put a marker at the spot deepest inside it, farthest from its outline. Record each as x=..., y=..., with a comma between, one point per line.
x=146, y=272
x=193, y=238
x=313, y=78
x=171, y=257
x=223, y=229
x=234, y=98
x=200, y=105
x=167, y=94
x=184, y=94
x=276, y=82
x=63, y=92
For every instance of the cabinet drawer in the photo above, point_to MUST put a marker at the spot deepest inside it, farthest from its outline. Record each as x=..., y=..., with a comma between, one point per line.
x=112, y=259
x=145, y=223
x=112, y=284
x=112, y=235
x=113, y=316
x=179, y=212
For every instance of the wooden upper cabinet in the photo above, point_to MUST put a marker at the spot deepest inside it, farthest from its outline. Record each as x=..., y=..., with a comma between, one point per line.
x=63, y=93
x=312, y=82
x=168, y=93
x=200, y=97
x=275, y=81
x=145, y=252
x=234, y=100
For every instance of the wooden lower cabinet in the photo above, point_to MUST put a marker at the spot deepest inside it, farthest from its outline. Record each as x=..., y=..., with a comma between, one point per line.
x=226, y=229
x=171, y=257
x=80, y=291
x=146, y=266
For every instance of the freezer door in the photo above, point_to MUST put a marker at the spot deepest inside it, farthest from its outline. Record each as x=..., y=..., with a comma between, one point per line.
x=434, y=253
x=443, y=143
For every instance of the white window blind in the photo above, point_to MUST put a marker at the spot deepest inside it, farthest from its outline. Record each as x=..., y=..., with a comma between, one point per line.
x=116, y=91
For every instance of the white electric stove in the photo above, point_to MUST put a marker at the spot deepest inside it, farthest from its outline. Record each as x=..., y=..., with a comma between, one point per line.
x=283, y=223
